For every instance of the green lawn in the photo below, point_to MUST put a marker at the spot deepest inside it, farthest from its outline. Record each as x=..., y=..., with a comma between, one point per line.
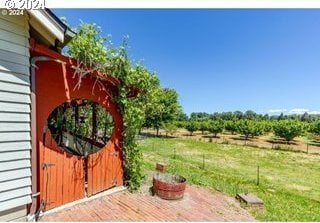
x=289, y=181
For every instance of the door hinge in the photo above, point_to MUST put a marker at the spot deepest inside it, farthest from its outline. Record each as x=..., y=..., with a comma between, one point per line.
x=35, y=194
x=114, y=181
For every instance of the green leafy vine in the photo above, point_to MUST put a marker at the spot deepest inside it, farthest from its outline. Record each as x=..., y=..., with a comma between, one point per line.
x=93, y=50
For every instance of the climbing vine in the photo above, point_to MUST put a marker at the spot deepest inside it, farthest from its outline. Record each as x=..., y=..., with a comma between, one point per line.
x=95, y=51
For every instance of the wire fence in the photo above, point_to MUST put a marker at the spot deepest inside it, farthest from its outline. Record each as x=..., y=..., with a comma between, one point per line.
x=203, y=169
x=269, y=143
x=249, y=168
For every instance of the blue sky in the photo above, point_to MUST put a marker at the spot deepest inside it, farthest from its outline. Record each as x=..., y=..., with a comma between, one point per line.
x=223, y=60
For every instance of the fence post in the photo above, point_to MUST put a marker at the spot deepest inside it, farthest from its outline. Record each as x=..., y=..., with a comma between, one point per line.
x=307, y=147
x=258, y=175
x=174, y=153
x=203, y=161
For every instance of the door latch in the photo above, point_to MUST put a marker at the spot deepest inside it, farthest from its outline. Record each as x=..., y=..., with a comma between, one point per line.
x=115, y=153
x=46, y=165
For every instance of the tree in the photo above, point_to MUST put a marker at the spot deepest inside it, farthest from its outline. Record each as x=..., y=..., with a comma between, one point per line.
x=281, y=116
x=315, y=128
x=192, y=126
x=215, y=116
x=265, y=117
x=163, y=108
x=249, y=128
x=182, y=116
x=231, y=126
x=203, y=126
x=288, y=129
x=180, y=124
x=216, y=127
x=199, y=115
x=169, y=128
x=250, y=114
x=267, y=126
x=238, y=114
x=227, y=116
x=305, y=117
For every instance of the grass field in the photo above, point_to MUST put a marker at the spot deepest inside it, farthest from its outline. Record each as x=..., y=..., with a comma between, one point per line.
x=289, y=182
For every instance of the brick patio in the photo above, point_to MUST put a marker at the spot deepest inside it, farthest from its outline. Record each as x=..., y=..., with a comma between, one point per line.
x=198, y=204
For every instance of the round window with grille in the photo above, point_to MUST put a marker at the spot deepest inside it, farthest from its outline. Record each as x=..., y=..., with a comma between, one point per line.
x=80, y=127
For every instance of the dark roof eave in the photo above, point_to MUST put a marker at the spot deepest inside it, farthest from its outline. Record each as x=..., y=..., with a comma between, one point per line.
x=68, y=32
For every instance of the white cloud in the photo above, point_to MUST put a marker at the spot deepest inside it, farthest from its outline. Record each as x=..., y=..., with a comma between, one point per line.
x=298, y=111
x=314, y=112
x=277, y=110
x=294, y=111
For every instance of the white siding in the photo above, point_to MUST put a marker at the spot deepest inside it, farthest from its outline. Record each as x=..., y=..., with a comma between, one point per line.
x=13, y=66
x=5, y=205
x=14, y=48
x=17, y=214
x=14, y=77
x=16, y=155
x=14, y=107
x=9, y=25
x=16, y=58
x=15, y=88
x=14, y=127
x=14, y=165
x=14, y=117
x=15, y=98
x=15, y=173
x=14, y=146
x=8, y=185
x=15, y=38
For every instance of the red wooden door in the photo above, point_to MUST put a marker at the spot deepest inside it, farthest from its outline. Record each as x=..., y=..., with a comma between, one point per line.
x=104, y=170
x=62, y=175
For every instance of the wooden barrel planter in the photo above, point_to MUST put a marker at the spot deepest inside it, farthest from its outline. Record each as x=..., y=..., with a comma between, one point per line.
x=168, y=186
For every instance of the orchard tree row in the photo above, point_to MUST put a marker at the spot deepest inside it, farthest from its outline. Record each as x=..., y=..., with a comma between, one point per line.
x=167, y=114
x=237, y=115
x=286, y=129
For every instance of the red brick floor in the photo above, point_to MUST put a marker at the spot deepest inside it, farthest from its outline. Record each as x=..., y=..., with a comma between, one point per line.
x=198, y=204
